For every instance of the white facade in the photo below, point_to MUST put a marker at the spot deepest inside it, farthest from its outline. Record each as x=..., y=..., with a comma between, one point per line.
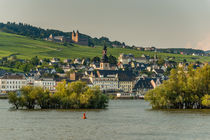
x=105, y=83
x=30, y=80
x=46, y=83
x=12, y=83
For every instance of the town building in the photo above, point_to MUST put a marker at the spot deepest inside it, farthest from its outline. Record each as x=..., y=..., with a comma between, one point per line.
x=125, y=59
x=67, y=60
x=126, y=85
x=55, y=60
x=107, y=80
x=112, y=80
x=12, y=82
x=46, y=83
x=78, y=61
x=142, y=86
x=158, y=72
x=74, y=76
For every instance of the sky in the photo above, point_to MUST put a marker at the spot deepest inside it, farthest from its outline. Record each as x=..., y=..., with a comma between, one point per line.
x=145, y=23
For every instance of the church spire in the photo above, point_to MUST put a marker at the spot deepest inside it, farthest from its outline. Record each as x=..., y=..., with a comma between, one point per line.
x=105, y=58
x=104, y=50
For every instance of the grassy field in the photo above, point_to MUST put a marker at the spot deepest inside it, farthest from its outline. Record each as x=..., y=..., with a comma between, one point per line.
x=25, y=48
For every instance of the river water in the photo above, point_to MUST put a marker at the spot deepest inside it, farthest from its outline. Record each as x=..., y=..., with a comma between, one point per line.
x=123, y=120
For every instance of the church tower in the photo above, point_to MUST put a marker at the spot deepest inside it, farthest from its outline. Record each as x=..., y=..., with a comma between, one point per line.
x=104, y=65
x=75, y=36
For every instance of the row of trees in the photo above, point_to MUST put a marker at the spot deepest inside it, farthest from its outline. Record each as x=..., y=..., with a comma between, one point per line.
x=29, y=30
x=184, y=90
x=74, y=95
x=23, y=65
x=29, y=64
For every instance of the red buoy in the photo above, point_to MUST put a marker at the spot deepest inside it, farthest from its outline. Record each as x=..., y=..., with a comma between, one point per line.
x=84, y=116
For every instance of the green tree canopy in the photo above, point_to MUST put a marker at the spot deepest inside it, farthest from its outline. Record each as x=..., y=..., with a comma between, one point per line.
x=67, y=96
x=184, y=89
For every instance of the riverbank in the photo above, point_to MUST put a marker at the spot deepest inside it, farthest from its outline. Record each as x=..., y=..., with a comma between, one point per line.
x=3, y=96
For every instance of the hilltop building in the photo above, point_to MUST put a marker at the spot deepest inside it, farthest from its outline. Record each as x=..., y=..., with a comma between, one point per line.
x=77, y=38
x=58, y=39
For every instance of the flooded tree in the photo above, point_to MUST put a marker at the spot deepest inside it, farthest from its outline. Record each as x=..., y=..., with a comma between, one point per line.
x=74, y=95
x=185, y=89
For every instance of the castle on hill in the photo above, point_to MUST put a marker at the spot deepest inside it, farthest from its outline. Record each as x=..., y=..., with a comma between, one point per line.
x=75, y=37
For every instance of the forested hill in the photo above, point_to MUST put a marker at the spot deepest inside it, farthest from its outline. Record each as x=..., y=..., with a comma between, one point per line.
x=39, y=33
x=181, y=50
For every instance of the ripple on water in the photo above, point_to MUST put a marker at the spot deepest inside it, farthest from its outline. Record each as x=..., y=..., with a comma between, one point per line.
x=124, y=120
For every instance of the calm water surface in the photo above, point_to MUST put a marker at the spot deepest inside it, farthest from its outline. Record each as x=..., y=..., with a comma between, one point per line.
x=123, y=120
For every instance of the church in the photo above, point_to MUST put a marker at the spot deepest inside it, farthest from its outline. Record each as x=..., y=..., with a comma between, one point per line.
x=104, y=64
x=77, y=38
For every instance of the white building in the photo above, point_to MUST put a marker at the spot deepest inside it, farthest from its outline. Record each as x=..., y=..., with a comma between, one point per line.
x=112, y=80
x=12, y=82
x=46, y=83
x=106, y=80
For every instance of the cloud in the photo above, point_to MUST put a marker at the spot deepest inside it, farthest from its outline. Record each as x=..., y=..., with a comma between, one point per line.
x=201, y=45
x=204, y=44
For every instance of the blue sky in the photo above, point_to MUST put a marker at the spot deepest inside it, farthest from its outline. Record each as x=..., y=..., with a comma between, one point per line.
x=160, y=23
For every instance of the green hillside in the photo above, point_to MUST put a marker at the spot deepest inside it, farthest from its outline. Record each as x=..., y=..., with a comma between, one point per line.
x=25, y=47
